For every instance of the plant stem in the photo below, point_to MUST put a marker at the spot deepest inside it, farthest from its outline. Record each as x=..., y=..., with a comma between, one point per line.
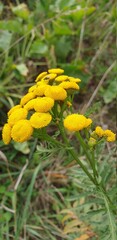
x=91, y=160
x=92, y=163
x=75, y=156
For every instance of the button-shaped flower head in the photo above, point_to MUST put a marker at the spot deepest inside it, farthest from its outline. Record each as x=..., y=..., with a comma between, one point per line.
x=56, y=92
x=13, y=109
x=76, y=122
x=40, y=120
x=17, y=115
x=43, y=104
x=22, y=131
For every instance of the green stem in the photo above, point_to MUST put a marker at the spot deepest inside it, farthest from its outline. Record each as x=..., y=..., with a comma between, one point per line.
x=91, y=161
x=44, y=136
x=75, y=156
x=94, y=164
x=104, y=193
x=99, y=186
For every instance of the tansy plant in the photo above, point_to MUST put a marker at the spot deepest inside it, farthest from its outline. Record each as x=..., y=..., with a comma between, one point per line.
x=49, y=102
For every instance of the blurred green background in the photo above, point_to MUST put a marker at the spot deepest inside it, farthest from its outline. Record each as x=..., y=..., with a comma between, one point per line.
x=78, y=36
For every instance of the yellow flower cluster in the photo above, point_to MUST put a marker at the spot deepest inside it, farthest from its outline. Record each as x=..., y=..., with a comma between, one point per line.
x=77, y=122
x=99, y=133
x=108, y=134
x=35, y=108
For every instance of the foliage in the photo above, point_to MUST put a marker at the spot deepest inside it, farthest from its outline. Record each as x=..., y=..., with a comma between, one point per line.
x=43, y=194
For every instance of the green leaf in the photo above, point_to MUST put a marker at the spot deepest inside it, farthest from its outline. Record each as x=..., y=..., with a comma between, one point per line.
x=7, y=216
x=78, y=15
x=113, y=14
x=11, y=25
x=5, y=39
x=2, y=189
x=25, y=211
x=9, y=194
x=39, y=47
x=21, y=11
x=65, y=44
x=111, y=92
x=66, y=3
x=111, y=217
x=62, y=28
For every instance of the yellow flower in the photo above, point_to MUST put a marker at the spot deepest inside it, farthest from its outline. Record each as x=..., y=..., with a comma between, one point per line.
x=88, y=122
x=50, y=76
x=22, y=131
x=31, y=89
x=40, y=76
x=56, y=70
x=40, y=120
x=39, y=91
x=72, y=79
x=30, y=105
x=43, y=104
x=13, y=109
x=99, y=131
x=55, y=92
x=61, y=78
x=69, y=85
x=17, y=115
x=75, y=122
x=110, y=136
x=27, y=98
x=6, y=133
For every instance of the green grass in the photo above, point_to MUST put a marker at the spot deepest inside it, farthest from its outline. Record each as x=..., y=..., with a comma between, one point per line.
x=43, y=193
